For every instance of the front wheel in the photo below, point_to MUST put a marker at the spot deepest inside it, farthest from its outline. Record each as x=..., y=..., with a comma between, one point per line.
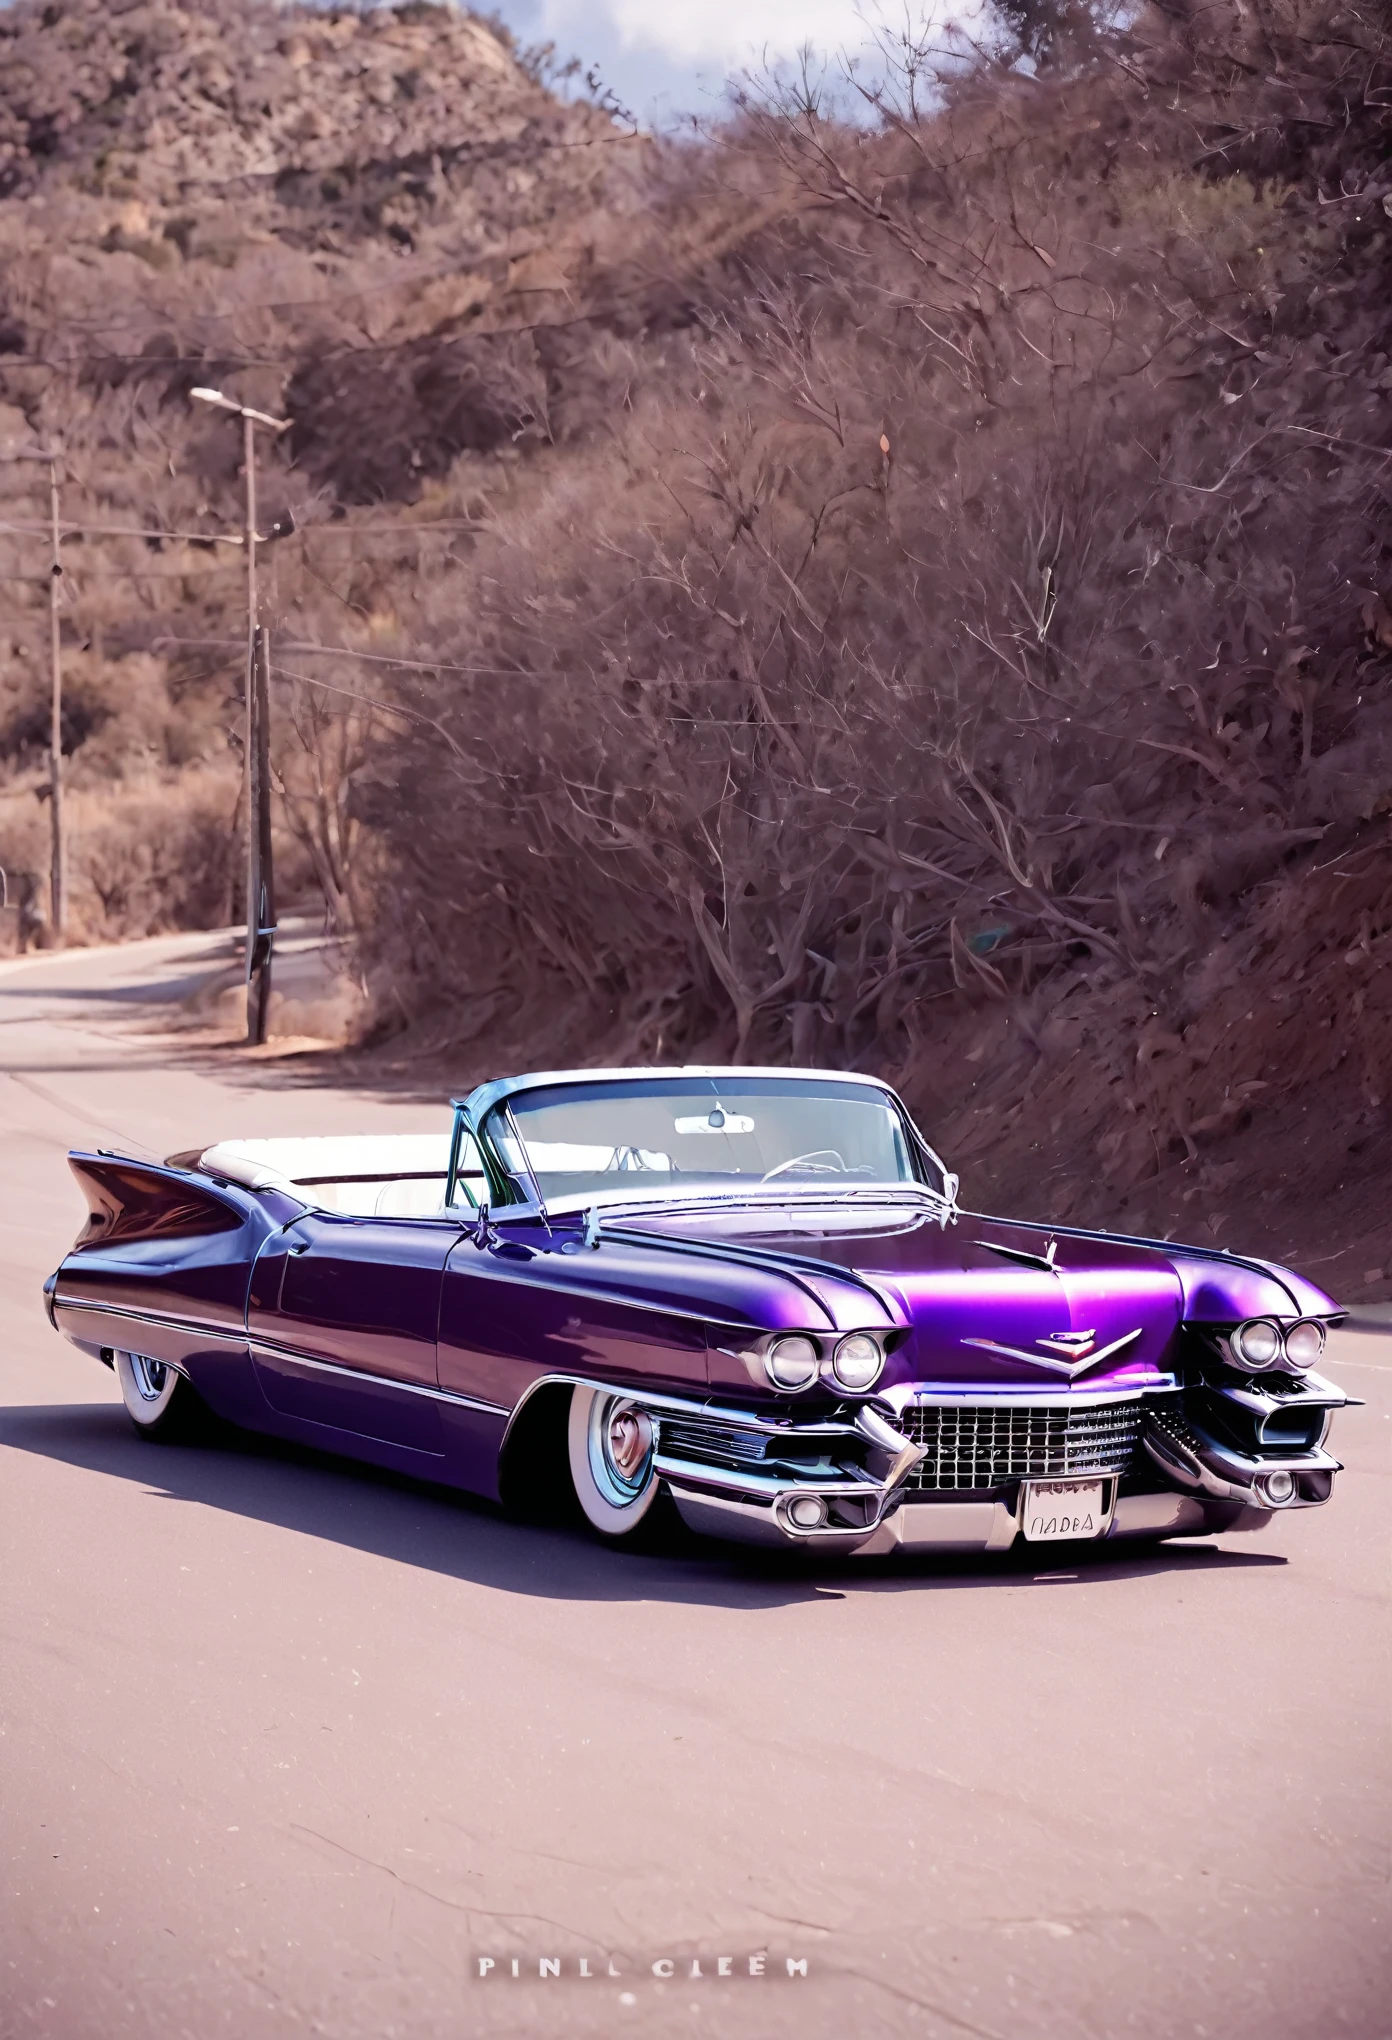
x=159, y=1401
x=611, y=1461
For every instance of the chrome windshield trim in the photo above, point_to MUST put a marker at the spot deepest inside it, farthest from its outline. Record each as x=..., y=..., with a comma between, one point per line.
x=749, y=1195
x=486, y=1096
x=474, y=1111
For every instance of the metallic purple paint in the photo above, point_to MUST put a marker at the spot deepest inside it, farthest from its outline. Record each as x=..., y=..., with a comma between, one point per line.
x=421, y=1342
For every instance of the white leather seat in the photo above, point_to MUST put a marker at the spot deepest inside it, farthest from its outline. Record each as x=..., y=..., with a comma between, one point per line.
x=389, y=1175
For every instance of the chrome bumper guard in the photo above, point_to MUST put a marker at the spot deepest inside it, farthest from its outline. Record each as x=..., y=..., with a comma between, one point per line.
x=1201, y=1465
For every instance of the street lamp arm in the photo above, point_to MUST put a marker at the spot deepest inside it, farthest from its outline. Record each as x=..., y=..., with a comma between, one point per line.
x=223, y=403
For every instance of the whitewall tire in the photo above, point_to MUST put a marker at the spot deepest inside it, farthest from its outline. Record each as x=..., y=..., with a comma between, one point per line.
x=158, y=1400
x=611, y=1460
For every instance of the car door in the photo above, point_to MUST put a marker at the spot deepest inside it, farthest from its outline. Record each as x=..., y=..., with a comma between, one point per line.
x=343, y=1317
x=517, y=1310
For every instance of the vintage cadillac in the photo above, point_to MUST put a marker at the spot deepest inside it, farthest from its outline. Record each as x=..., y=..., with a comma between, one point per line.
x=749, y=1294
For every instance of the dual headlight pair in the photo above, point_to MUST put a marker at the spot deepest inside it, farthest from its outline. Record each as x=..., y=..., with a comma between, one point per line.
x=795, y=1361
x=1262, y=1343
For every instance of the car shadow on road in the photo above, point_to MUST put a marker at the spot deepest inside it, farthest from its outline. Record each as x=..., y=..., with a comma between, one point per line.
x=444, y=1531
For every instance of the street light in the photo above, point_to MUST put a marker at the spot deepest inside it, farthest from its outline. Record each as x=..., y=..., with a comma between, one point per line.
x=51, y=456
x=261, y=925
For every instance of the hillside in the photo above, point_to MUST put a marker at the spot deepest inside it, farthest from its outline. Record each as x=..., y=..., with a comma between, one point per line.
x=326, y=209
x=911, y=592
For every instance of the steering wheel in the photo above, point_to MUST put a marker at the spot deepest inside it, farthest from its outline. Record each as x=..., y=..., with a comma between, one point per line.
x=813, y=1155
x=625, y=1158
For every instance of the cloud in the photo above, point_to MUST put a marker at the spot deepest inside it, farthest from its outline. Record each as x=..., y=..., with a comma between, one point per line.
x=721, y=34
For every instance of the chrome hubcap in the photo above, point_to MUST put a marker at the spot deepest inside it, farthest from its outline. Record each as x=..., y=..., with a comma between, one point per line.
x=621, y=1448
x=629, y=1442
x=149, y=1377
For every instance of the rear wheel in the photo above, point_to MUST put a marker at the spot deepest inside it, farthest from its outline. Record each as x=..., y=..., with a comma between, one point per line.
x=611, y=1445
x=160, y=1402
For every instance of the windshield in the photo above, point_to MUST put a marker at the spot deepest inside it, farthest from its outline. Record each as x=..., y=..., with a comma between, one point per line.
x=705, y=1133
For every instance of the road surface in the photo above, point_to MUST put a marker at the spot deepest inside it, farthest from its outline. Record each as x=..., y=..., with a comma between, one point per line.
x=290, y=1748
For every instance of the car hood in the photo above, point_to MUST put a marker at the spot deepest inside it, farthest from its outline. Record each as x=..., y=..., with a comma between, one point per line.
x=990, y=1301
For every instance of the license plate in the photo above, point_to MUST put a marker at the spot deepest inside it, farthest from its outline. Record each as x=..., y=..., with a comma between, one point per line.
x=1063, y=1508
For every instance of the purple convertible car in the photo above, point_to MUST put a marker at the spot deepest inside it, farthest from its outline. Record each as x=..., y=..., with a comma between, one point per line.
x=749, y=1294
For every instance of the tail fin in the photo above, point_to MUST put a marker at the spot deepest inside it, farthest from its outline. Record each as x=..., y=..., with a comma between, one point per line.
x=130, y=1200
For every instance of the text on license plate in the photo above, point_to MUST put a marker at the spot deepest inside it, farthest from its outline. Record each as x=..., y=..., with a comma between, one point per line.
x=1063, y=1508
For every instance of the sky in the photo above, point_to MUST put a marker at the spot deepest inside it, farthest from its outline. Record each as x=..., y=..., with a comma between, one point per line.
x=665, y=58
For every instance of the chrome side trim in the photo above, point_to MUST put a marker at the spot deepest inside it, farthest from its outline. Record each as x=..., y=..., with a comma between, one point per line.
x=234, y=1334
x=273, y=1349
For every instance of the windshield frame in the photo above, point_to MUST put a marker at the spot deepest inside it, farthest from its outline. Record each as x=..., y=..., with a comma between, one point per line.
x=518, y=1191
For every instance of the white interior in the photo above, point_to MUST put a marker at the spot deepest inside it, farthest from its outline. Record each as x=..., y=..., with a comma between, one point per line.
x=369, y=1175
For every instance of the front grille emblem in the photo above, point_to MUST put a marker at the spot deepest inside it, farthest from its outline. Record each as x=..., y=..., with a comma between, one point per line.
x=1078, y=1346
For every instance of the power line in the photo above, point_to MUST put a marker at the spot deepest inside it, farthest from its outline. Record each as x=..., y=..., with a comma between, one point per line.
x=371, y=658
x=200, y=362
x=126, y=531
x=340, y=528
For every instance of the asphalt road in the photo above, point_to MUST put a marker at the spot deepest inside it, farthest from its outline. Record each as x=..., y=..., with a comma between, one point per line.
x=286, y=1747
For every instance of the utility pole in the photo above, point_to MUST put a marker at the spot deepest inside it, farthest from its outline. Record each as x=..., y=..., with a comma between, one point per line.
x=58, y=879
x=261, y=922
x=50, y=456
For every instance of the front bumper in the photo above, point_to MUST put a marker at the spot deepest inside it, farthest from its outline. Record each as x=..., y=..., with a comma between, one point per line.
x=1162, y=1475
x=989, y=1524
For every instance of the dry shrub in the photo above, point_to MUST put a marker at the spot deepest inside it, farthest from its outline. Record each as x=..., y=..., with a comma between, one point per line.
x=966, y=651
x=152, y=856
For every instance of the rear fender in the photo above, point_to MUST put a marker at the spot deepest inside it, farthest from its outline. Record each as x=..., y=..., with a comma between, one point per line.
x=163, y=1262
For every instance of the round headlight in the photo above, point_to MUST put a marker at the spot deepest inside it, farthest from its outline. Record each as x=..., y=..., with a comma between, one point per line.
x=1257, y=1344
x=1278, y=1488
x=792, y=1362
x=857, y=1361
x=1304, y=1344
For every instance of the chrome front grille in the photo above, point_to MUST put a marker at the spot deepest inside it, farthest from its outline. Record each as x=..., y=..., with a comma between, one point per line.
x=974, y=1445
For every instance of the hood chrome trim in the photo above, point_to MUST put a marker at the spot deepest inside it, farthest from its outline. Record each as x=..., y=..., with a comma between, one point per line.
x=1044, y=1261
x=1071, y=1369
